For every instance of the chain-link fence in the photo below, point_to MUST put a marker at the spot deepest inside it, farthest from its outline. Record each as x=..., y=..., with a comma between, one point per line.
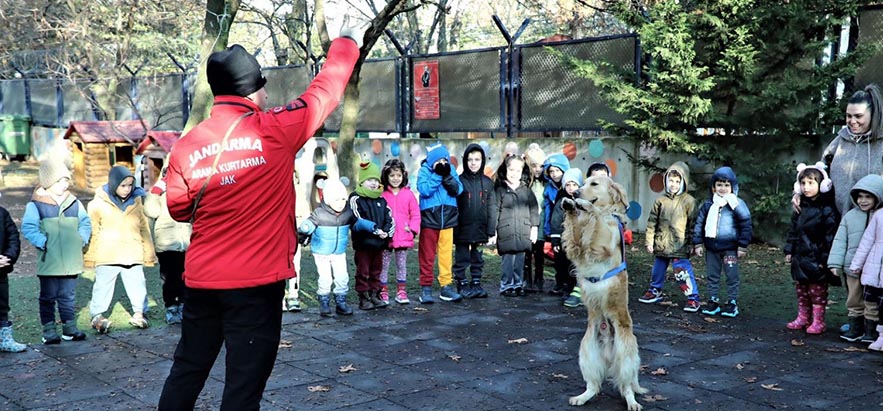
x=870, y=31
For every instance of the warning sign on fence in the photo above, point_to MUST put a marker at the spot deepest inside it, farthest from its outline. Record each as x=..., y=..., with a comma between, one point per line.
x=426, y=100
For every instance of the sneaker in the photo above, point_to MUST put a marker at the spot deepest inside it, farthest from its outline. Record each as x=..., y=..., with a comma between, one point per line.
x=50, y=334
x=712, y=307
x=557, y=290
x=573, y=301
x=138, y=321
x=691, y=306
x=100, y=324
x=464, y=287
x=448, y=293
x=426, y=295
x=70, y=332
x=651, y=296
x=384, y=295
x=291, y=304
x=730, y=309
x=402, y=297
x=478, y=291
x=172, y=315
x=509, y=292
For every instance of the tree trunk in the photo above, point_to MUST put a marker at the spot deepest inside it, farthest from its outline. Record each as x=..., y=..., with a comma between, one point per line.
x=215, y=33
x=347, y=160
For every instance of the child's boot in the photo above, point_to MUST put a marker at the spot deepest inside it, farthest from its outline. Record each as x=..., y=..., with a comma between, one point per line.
x=802, y=319
x=342, y=307
x=818, y=320
x=426, y=295
x=377, y=300
x=384, y=294
x=878, y=344
x=871, y=333
x=465, y=289
x=100, y=324
x=7, y=343
x=324, y=305
x=477, y=290
x=365, y=301
x=402, y=294
x=139, y=321
x=50, y=334
x=856, y=329
x=70, y=332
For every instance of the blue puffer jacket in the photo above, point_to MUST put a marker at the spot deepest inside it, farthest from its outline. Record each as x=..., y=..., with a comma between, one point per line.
x=734, y=225
x=330, y=230
x=550, y=193
x=438, y=198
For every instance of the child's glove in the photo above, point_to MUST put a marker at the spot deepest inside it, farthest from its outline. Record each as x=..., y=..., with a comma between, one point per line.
x=627, y=236
x=534, y=232
x=442, y=169
x=159, y=187
x=304, y=238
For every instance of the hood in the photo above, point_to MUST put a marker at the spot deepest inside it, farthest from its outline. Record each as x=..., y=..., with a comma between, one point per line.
x=847, y=135
x=725, y=174
x=683, y=170
x=871, y=183
x=555, y=160
x=116, y=177
x=437, y=152
x=469, y=149
x=575, y=175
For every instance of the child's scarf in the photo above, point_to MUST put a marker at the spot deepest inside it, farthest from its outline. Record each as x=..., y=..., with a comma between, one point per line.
x=717, y=203
x=372, y=194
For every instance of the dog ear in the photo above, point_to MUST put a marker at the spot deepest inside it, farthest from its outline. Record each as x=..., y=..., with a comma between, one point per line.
x=618, y=196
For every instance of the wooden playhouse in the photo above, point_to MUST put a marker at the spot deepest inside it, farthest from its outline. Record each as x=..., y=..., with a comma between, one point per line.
x=96, y=146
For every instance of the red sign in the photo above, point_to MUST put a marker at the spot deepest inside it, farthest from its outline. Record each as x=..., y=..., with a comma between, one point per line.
x=426, y=101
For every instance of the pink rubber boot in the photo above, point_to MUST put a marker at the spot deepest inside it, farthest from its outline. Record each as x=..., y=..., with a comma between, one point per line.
x=818, y=320
x=803, y=313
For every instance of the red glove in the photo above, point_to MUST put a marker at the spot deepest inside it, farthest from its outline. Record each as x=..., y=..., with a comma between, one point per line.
x=627, y=236
x=159, y=187
x=547, y=250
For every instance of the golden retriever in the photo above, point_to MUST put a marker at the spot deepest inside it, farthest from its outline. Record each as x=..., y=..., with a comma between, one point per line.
x=593, y=242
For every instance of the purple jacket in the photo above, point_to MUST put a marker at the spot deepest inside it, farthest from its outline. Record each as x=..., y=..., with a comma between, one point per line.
x=405, y=213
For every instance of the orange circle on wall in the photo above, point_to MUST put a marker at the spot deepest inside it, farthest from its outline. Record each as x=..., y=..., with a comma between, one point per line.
x=454, y=162
x=657, y=183
x=488, y=171
x=376, y=146
x=334, y=146
x=612, y=166
x=570, y=151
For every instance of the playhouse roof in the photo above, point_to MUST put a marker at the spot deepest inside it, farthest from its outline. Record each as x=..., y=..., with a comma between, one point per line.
x=105, y=132
x=162, y=139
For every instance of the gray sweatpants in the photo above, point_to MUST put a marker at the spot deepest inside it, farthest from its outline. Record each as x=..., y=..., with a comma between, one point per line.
x=728, y=263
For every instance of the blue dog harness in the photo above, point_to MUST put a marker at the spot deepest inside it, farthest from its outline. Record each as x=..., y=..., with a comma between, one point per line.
x=620, y=268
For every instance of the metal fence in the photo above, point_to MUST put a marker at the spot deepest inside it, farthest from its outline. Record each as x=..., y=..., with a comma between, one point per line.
x=522, y=88
x=870, y=31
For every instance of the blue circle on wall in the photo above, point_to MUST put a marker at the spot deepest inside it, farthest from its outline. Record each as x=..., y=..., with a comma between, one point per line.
x=596, y=148
x=394, y=149
x=634, y=211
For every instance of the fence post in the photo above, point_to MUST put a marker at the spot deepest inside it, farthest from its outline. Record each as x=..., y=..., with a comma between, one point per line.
x=508, y=70
x=59, y=103
x=403, y=97
x=185, y=86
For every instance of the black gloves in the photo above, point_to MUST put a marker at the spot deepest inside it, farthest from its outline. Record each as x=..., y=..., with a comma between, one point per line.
x=304, y=238
x=450, y=185
x=442, y=169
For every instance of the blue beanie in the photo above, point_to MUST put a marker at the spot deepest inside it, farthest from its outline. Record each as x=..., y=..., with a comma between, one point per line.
x=437, y=152
x=573, y=174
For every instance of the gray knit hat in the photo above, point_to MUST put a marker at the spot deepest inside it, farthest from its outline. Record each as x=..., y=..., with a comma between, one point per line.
x=52, y=170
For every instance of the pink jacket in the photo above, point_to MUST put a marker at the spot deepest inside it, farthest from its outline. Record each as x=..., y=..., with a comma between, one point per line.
x=405, y=213
x=869, y=256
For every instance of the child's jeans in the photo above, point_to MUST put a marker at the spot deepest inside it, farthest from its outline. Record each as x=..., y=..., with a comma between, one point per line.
x=728, y=262
x=874, y=295
x=105, y=281
x=331, y=269
x=4, y=298
x=565, y=272
x=57, y=290
x=468, y=255
x=683, y=273
x=401, y=255
x=369, y=263
x=512, y=268
x=856, y=306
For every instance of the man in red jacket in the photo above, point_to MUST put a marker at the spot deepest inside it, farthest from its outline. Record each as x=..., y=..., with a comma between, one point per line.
x=232, y=176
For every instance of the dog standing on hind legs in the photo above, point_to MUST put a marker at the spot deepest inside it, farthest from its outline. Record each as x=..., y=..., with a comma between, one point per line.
x=593, y=241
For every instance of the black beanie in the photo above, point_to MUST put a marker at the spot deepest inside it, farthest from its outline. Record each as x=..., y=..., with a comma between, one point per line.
x=234, y=72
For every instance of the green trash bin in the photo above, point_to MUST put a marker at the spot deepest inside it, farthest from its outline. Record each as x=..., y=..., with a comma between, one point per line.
x=15, y=136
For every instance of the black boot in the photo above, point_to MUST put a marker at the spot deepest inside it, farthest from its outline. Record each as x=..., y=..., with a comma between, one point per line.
x=477, y=291
x=856, y=329
x=465, y=289
x=376, y=300
x=342, y=307
x=871, y=333
x=365, y=301
x=325, y=305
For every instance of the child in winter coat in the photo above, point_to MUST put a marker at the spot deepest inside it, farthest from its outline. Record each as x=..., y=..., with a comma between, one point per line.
x=517, y=223
x=121, y=246
x=572, y=181
x=439, y=187
x=327, y=230
x=866, y=196
x=808, y=244
x=171, y=239
x=57, y=224
x=367, y=203
x=867, y=263
x=553, y=170
x=477, y=222
x=723, y=227
x=534, y=260
x=406, y=218
x=10, y=245
x=667, y=237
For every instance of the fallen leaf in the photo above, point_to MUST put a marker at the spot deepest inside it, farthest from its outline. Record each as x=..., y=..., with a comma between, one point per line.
x=654, y=398
x=347, y=368
x=562, y=376
x=771, y=387
x=659, y=371
x=797, y=343
x=668, y=303
x=454, y=357
x=832, y=349
x=668, y=354
x=644, y=367
x=855, y=349
x=284, y=344
x=518, y=341
x=711, y=320
x=420, y=309
x=319, y=388
x=739, y=366
x=750, y=380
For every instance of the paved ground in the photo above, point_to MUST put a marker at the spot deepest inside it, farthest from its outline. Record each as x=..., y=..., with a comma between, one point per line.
x=464, y=356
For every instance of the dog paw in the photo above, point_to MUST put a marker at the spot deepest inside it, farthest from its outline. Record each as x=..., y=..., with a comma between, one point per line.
x=568, y=204
x=582, y=398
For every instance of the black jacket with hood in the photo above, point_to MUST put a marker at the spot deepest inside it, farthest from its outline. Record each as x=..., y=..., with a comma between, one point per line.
x=477, y=204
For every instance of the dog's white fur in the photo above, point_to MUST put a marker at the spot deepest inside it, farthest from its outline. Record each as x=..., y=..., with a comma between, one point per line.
x=593, y=243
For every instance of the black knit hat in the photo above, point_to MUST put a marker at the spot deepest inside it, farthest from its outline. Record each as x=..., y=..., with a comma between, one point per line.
x=234, y=72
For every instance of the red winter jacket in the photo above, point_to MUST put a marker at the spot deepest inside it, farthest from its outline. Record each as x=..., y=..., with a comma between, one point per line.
x=244, y=231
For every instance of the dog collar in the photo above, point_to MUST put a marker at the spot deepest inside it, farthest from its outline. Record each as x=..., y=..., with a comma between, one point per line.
x=618, y=269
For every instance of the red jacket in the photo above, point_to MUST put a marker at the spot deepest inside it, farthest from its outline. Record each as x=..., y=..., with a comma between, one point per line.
x=244, y=231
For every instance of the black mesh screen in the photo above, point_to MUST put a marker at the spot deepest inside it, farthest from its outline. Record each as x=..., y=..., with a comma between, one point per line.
x=76, y=103
x=13, y=97
x=870, y=23
x=377, y=98
x=159, y=101
x=286, y=83
x=43, y=102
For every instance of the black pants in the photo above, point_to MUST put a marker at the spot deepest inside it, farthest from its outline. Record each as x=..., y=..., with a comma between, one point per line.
x=171, y=269
x=533, y=263
x=563, y=272
x=4, y=299
x=468, y=255
x=248, y=322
